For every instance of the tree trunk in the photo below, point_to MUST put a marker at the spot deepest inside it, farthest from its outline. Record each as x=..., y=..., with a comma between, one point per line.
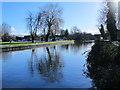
x=32, y=37
x=48, y=33
x=46, y=38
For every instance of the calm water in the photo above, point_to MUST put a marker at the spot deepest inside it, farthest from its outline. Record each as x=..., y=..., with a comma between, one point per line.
x=60, y=66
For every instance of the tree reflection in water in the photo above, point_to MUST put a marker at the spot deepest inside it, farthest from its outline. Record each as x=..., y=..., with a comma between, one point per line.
x=76, y=47
x=49, y=66
x=79, y=46
x=65, y=47
x=5, y=55
x=103, y=65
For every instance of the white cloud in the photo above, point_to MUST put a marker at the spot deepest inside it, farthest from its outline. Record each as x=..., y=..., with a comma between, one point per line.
x=93, y=31
x=13, y=29
x=19, y=33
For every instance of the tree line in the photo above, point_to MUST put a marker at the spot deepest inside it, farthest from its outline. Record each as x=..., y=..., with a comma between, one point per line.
x=64, y=34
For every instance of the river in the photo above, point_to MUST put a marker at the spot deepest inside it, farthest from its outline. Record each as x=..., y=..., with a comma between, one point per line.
x=60, y=66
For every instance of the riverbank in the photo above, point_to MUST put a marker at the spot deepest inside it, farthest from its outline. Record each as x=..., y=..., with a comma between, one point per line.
x=103, y=65
x=22, y=46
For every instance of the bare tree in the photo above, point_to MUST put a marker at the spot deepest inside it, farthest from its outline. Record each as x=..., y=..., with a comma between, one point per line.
x=75, y=29
x=6, y=29
x=55, y=30
x=52, y=18
x=33, y=24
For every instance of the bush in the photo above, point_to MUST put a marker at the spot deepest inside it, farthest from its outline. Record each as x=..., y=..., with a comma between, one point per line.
x=103, y=65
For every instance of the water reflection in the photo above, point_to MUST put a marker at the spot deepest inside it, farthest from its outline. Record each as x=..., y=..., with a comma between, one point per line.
x=49, y=66
x=103, y=65
x=76, y=47
x=5, y=55
x=80, y=46
x=46, y=67
x=65, y=47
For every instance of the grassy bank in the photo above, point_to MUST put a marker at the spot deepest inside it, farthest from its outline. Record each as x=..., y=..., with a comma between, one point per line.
x=6, y=44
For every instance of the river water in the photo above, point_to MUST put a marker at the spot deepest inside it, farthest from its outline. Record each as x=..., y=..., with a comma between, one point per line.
x=60, y=66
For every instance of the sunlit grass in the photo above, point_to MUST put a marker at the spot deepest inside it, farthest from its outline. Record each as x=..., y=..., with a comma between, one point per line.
x=6, y=44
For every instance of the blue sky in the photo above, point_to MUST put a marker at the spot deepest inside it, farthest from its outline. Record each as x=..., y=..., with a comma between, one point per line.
x=81, y=14
x=0, y=13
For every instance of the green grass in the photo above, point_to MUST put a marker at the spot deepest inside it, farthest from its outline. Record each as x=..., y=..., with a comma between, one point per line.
x=6, y=44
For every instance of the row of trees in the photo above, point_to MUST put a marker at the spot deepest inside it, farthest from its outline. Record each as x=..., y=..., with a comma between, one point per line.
x=73, y=34
x=78, y=35
x=48, y=20
x=108, y=19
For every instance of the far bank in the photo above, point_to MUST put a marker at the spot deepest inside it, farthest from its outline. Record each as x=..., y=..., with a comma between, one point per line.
x=6, y=46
